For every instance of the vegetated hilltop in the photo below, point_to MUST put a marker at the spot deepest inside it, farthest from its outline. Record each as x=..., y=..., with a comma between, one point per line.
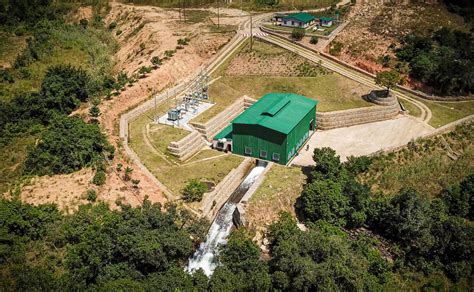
x=380, y=36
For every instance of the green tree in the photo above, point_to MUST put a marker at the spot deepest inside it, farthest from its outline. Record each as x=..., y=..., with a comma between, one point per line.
x=194, y=191
x=99, y=178
x=66, y=146
x=388, y=79
x=298, y=33
x=324, y=200
x=314, y=40
x=64, y=87
x=407, y=220
x=328, y=165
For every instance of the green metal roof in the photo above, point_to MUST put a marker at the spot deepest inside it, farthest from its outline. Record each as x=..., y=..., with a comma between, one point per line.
x=325, y=18
x=277, y=111
x=226, y=133
x=301, y=16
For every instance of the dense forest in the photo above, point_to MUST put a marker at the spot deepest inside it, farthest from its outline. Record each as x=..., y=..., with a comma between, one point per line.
x=356, y=240
x=443, y=61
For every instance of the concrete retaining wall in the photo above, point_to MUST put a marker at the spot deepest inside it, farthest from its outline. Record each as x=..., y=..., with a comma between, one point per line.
x=188, y=146
x=239, y=214
x=219, y=122
x=213, y=201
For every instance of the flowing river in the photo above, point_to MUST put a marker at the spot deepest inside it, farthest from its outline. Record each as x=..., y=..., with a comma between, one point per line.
x=204, y=257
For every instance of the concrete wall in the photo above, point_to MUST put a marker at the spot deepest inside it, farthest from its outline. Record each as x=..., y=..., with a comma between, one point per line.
x=213, y=201
x=239, y=213
x=222, y=120
x=188, y=146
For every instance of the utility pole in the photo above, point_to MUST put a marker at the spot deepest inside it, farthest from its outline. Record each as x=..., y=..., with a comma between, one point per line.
x=251, y=31
x=218, y=14
x=184, y=11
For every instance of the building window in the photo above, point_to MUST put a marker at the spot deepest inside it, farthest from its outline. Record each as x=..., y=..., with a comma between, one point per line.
x=263, y=154
x=276, y=156
x=248, y=151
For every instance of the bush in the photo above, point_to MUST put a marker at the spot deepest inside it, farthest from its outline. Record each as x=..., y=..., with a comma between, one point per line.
x=99, y=178
x=194, y=191
x=5, y=76
x=84, y=23
x=68, y=145
x=336, y=48
x=314, y=40
x=64, y=87
x=112, y=25
x=298, y=33
x=91, y=195
x=118, y=32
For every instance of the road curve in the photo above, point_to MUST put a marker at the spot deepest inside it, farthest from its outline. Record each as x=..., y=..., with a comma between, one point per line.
x=333, y=66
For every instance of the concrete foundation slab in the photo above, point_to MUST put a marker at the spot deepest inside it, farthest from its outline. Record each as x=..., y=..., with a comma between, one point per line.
x=364, y=139
x=186, y=117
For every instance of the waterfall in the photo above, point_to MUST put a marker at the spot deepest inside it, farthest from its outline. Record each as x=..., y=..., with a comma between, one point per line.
x=204, y=257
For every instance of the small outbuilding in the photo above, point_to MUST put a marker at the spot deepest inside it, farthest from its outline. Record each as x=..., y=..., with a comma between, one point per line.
x=325, y=21
x=274, y=128
x=301, y=20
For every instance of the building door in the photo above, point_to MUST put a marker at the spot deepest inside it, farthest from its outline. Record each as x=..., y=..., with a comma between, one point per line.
x=311, y=125
x=229, y=148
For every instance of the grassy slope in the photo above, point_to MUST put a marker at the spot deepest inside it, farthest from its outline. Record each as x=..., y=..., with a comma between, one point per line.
x=10, y=46
x=425, y=165
x=334, y=91
x=167, y=168
x=278, y=192
x=89, y=49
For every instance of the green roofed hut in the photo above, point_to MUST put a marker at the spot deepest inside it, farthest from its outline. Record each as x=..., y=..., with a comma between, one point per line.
x=274, y=128
x=301, y=19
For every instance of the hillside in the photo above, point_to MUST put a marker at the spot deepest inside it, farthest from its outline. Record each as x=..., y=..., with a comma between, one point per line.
x=377, y=32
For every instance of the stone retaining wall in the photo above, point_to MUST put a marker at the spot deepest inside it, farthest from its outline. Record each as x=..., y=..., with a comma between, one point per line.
x=188, y=146
x=213, y=201
x=219, y=122
x=351, y=117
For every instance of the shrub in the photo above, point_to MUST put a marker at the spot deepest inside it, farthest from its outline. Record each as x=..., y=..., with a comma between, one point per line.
x=314, y=40
x=169, y=53
x=336, y=48
x=156, y=61
x=91, y=195
x=99, y=178
x=298, y=33
x=128, y=172
x=194, y=191
x=5, y=76
x=112, y=25
x=84, y=23
x=118, y=32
